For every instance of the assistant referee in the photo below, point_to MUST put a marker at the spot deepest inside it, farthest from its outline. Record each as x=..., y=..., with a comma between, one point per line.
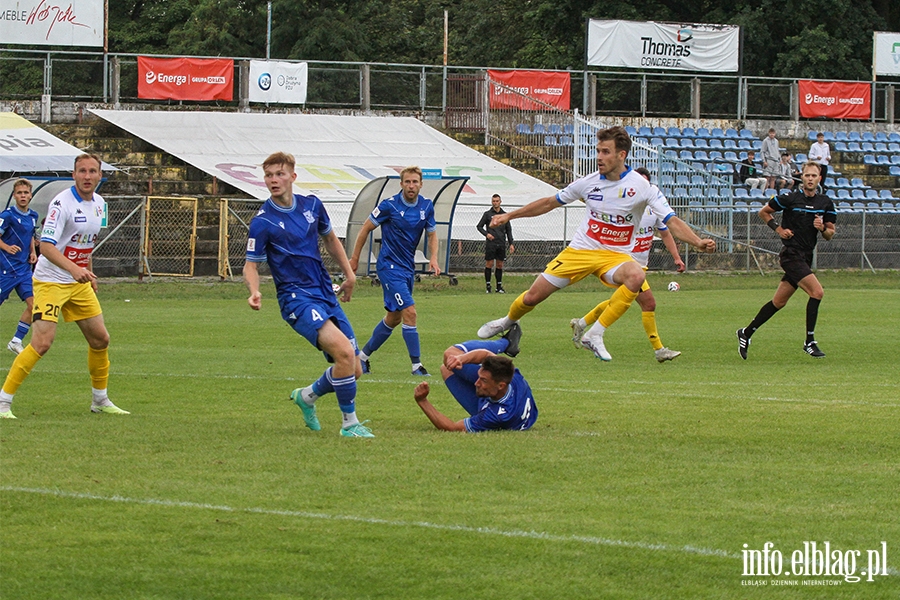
x=496, y=239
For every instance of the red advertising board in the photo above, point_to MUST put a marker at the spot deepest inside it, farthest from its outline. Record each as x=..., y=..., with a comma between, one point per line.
x=835, y=100
x=185, y=78
x=550, y=88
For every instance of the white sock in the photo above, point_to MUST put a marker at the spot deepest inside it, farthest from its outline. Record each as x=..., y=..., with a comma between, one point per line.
x=349, y=419
x=597, y=330
x=5, y=406
x=416, y=366
x=16, y=339
x=100, y=397
x=582, y=323
x=309, y=393
x=363, y=355
x=5, y=398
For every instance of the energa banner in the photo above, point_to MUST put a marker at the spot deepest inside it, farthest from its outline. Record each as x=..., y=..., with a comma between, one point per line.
x=278, y=82
x=664, y=46
x=548, y=87
x=185, y=78
x=43, y=23
x=835, y=100
x=886, y=53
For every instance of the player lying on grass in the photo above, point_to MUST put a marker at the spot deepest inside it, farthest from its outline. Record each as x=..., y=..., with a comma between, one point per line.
x=488, y=386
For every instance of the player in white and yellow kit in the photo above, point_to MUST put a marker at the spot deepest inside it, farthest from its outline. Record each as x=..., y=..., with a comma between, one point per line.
x=615, y=197
x=65, y=285
x=643, y=241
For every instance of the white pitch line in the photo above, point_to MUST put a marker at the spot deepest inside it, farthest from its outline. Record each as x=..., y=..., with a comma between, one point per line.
x=513, y=533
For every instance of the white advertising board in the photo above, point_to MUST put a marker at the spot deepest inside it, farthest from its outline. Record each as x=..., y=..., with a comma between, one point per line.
x=887, y=53
x=278, y=82
x=52, y=23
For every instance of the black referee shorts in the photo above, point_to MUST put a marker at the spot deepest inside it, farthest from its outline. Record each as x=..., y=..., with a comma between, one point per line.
x=796, y=264
x=494, y=251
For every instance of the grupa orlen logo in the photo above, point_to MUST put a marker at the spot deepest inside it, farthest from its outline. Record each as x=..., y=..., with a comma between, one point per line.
x=265, y=82
x=150, y=76
x=685, y=35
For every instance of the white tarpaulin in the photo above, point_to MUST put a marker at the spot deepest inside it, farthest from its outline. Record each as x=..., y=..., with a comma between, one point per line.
x=38, y=22
x=26, y=148
x=665, y=46
x=887, y=53
x=337, y=156
x=278, y=82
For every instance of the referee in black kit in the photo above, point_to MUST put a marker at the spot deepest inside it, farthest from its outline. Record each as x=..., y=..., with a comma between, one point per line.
x=496, y=239
x=805, y=214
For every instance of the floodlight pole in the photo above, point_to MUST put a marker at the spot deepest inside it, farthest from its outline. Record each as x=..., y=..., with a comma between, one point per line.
x=268, y=29
x=105, y=50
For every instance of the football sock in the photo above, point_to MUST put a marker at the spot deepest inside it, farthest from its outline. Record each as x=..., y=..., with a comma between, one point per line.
x=98, y=366
x=812, y=315
x=21, y=331
x=411, y=337
x=597, y=329
x=765, y=313
x=498, y=274
x=324, y=384
x=519, y=309
x=345, y=390
x=496, y=346
x=618, y=304
x=100, y=397
x=348, y=419
x=595, y=313
x=648, y=318
x=20, y=369
x=379, y=336
x=487, y=275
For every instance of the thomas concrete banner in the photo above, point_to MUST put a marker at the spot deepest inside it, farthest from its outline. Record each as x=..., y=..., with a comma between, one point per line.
x=278, y=82
x=550, y=88
x=185, y=78
x=664, y=46
x=835, y=100
x=886, y=53
x=52, y=23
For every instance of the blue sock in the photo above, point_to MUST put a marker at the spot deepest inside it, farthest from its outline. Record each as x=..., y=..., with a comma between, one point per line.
x=324, y=384
x=411, y=337
x=22, y=330
x=380, y=335
x=345, y=390
x=496, y=346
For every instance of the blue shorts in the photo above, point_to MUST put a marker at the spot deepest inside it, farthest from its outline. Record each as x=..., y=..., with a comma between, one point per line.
x=307, y=315
x=20, y=283
x=462, y=386
x=397, y=288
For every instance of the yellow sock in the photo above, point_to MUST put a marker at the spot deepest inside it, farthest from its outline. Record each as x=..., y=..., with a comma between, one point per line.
x=98, y=366
x=518, y=308
x=618, y=304
x=20, y=369
x=649, y=321
x=595, y=313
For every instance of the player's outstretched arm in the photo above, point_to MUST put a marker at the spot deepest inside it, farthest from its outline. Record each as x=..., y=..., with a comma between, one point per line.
x=669, y=240
x=533, y=209
x=334, y=248
x=251, y=280
x=367, y=228
x=683, y=232
x=438, y=419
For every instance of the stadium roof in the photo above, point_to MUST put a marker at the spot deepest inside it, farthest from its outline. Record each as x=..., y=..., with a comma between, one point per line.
x=336, y=157
x=26, y=148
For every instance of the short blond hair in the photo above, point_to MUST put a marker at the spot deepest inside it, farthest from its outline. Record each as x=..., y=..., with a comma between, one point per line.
x=411, y=169
x=279, y=158
x=22, y=183
x=87, y=156
x=811, y=165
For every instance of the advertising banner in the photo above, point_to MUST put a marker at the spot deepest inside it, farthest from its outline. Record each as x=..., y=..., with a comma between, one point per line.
x=550, y=88
x=278, y=82
x=185, y=78
x=664, y=46
x=835, y=100
x=886, y=53
x=53, y=23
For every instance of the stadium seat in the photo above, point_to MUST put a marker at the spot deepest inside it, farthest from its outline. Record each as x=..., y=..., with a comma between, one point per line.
x=869, y=159
x=588, y=153
x=682, y=180
x=698, y=180
x=523, y=128
x=868, y=147
x=831, y=194
x=756, y=205
x=550, y=140
x=538, y=129
x=844, y=207
x=801, y=158
x=746, y=134
x=856, y=182
x=673, y=132
x=871, y=194
x=569, y=129
x=716, y=144
x=840, y=136
x=698, y=166
x=741, y=193
x=784, y=191
x=679, y=193
x=716, y=132
x=554, y=129
x=881, y=136
x=895, y=170
x=701, y=155
x=672, y=143
x=842, y=182
x=696, y=192
x=886, y=195
x=724, y=168
x=873, y=207
x=830, y=182
x=657, y=142
x=894, y=137
x=770, y=193
x=867, y=136
x=840, y=146
x=631, y=130
x=829, y=136
x=669, y=180
x=686, y=155
x=757, y=144
x=703, y=132
x=843, y=194
x=854, y=147
x=854, y=136
x=671, y=154
x=566, y=140
x=661, y=132
x=881, y=147
x=740, y=205
x=755, y=193
x=715, y=155
x=857, y=194
x=895, y=159
x=730, y=155
x=732, y=133
x=811, y=136
x=688, y=132
x=645, y=131
x=894, y=147
x=700, y=142
x=883, y=159
x=729, y=144
x=686, y=142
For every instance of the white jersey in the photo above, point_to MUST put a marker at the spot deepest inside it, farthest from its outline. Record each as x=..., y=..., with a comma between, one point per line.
x=72, y=226
x=614, y=210
x=643, y=241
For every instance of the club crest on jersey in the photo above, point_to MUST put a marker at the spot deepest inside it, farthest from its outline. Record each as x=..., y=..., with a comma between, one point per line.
x=629, y=192
x=309, y=216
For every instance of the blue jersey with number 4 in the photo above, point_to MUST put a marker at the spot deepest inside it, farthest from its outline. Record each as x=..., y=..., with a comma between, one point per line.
x=288, y=240
x=402, y=225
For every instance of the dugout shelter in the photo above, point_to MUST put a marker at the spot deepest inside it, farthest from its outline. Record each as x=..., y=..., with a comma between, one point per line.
x=444, y=192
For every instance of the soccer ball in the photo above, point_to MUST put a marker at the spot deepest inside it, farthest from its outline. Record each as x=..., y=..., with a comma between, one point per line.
x=673, y=286
x=335, y=287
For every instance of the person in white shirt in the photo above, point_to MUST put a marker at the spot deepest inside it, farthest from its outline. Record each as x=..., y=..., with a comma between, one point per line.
x=820, y=152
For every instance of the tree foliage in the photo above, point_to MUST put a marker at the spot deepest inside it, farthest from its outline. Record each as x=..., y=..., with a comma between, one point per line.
x=829, y=39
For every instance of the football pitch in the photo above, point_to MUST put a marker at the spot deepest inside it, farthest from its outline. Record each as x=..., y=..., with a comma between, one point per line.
x=705, y=477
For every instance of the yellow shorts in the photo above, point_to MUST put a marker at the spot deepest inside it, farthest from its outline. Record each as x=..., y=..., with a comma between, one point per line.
x=574, y=265
x=645, y=287
x=75, y=301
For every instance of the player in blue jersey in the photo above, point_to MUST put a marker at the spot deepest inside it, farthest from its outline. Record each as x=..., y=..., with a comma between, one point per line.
x=488, y=386
x=18, y=224
x=402, y=218
x=285, y=234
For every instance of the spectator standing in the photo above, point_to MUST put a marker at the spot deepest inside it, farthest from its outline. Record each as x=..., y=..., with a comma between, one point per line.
x=495, y=242
x=770, y=153
x=820, y=152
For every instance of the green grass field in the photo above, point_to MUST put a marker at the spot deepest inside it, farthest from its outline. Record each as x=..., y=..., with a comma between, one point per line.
x=639, y=480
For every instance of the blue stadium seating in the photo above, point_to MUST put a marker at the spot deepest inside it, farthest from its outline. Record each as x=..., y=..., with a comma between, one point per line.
x=673, y=132
x=746, y=134
x=755, y=193
x=538, y=128
x=716, y=132
x=801, y=158
x=703, y=132
x=880, y=147
x=840, y=136
x=830, y=183
x=672, y=143
x=686, y=155
x=843, y=194
x=715, y=155
x=854, y=136
x=550, y=140
x=554, y=129
x=869, y=159
x=701, y=143
x=886, y=195
x=895, y=159
x=867, y=136
x=811, y=136
x=871, y=194
x=569, y=129
x=701, y=155
x=523, y=128
x=858, y=194
x=883, y=159
x=687, y=143
x=894, y=137
x=732, y=133
x=854, y=147
x=842, y=182
x=741, y=193
x=645, y=131
x=757, y=144
x=868, y=147
x=688, y=132
x=840, y=146
x=894, y=147
x=566, y=140
x=857, y=182
x=631, y=130
x=716, y=144
x=881, y=136
x=895, y=170
x=730, y=144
